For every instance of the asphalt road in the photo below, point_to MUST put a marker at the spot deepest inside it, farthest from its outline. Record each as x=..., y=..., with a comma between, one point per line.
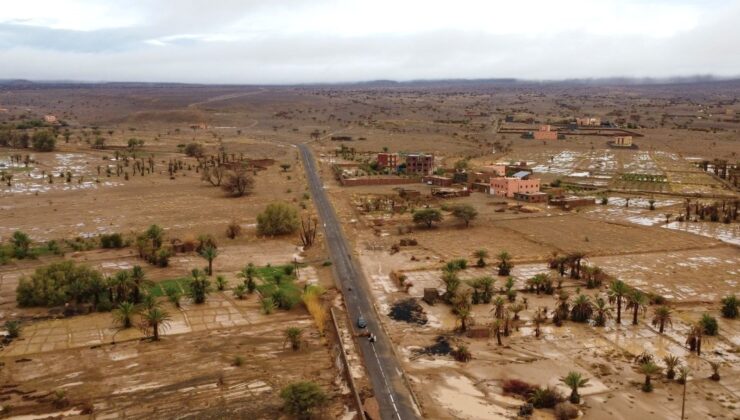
x=381, y=364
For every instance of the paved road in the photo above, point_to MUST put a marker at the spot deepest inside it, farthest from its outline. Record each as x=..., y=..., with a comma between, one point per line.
x=384, y=370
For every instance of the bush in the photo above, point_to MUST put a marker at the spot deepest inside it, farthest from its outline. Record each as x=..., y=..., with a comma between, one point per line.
x=237, y=183
x=709, y=324
x=113, y=240
x=194, y=150
x=278, y=219
x=43, y=141
x=59, y=283
x=545, y=397
x=301, y=399
x=730, y=306
x=233, y=230
x=517, y=387
x=13, y=328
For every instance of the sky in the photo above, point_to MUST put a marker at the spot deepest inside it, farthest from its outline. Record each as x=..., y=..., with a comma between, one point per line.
x=308, y=41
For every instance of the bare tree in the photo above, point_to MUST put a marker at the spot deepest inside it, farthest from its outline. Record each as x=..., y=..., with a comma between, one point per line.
x=237, y=182
x=308, y=231
x=213, y=174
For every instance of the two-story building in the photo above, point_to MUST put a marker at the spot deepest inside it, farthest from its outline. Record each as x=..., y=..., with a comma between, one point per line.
x=520, y=182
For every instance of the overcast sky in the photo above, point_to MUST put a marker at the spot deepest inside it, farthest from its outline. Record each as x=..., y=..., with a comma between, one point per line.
x=289, y=41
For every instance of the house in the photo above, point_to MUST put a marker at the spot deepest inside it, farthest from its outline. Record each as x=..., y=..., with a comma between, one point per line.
x=498, y=169
x=50, y=119
x=520, y=182
x=622, y=141
x=588, y=122
x=387, y=160
x=436, y=180
x=419, y=163
x=546, y=133
x=537, y=197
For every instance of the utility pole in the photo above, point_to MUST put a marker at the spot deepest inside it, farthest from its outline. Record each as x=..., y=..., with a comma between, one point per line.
x=683, y=401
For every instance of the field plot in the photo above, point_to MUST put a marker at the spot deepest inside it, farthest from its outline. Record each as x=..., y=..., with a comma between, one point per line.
x=574, y=233
x=681, y=276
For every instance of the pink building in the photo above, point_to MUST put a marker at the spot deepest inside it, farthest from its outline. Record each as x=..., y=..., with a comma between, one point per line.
x=546, y=133
x=508, y=186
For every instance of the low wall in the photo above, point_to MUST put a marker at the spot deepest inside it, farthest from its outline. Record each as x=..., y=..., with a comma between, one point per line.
x=352, y=182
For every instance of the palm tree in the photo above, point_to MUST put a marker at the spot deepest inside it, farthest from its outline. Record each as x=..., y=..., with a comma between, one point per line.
x=603, y=312
x=199, y=286
x=696, y=333
x=515, y=308
x=582, y=309
x=498, y=307
x=452, y=283
x=683, y=374
x=463, y=314
x=124, y=314
x=504, y=263
x=293, y=335
x=496, y=327
x=221, y=283
x=574, y=380
x=209, y=253
x=481, y=255
x=662, y=317
x=648, y=369
x=155, y=319
x=121, y=282
x=563, y=308
x=574, y=260
x=636, y=301
x=671, y=362
x=247, y=274
x=539, y=319
x=155, y=234
x=487, y=285
x=139, y=280
x=617, y=291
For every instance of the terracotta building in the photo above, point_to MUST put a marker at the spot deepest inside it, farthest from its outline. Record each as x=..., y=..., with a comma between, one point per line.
x=387, y=160
x=419, y=163
x=622, y=141
x=521, y=182
x=546, y=133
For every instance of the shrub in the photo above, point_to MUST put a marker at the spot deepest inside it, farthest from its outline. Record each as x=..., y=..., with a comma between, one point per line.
x=194, y=150
x=730, y=306
x=278, y=219
x=545, y=397
x=517, y=387
x=57, y=284
x=13, y=328
x=163, y=257
x=21, y=243
x=113, y=240
x=301, y=399
x=43, y=141
x=709, y=324
x=233, y=230
x=238, y=361
x=237, y=183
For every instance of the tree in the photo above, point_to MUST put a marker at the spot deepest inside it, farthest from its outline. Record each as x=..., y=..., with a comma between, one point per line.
x=617, y=291
x=671, y=362
x=498, y=307
x=452, y=283
x=209, y=253
x=427, y=216
x=636, y=301
x=155, y=234
x=695, y=335
x=481, y=255
x=574, y=380
x=124, y=314
x=155, y=319
x=301, y=399
x=603, y=312
x=496, y=327
x=199, y=286
x=293, y=335
x=648, y=369
x=730, y=305
x=59, y=283
x=278, y=219
x=504, y=263
x=21, y=243
x=43, y=141
x=194, y=150
x=661, y=317
x=238, y=182
x=582, y=309
x=465, y=212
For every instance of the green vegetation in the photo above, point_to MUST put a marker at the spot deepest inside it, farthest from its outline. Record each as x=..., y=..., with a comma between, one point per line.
x=730, y=306
x=199, y=286
x=278, y=284
x=59, y=283
x=43, y=141
x=302, y=399
x=465, y=212
x=427, y=217
x=278, y=219
x=574, y=380
x=709, y=324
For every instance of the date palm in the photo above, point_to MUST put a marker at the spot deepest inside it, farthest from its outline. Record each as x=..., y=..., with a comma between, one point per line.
x=498, y=307
x=582, y=309
x=156, y=320
x=504, y=263
x=574, y=380
x=661, y=317
x=497, y=327
x=209, y=253
x=603, y=312
x=293, y=335
x=124, y=314
x=617, y=292
x=648, y=369
x=636, y=301
x=481, y=255
x=248, y=274
x=671, y=362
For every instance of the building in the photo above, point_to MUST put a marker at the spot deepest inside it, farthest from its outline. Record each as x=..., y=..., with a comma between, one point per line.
x=537, y=197
x=521, y=183
x=498, y=169
x=588, y=122
x=622, y=141
x=387, y=160
x=546, y=133
x=568, y=203
x=419, y=163
x=50, y=119
x=439, y=181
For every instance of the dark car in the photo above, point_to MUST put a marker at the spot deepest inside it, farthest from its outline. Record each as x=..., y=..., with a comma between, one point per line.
x=361, y=322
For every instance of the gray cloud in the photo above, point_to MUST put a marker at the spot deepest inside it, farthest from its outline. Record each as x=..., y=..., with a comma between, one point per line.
x=192, y=43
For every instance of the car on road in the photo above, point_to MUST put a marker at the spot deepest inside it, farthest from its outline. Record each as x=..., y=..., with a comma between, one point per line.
x=361, y=322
